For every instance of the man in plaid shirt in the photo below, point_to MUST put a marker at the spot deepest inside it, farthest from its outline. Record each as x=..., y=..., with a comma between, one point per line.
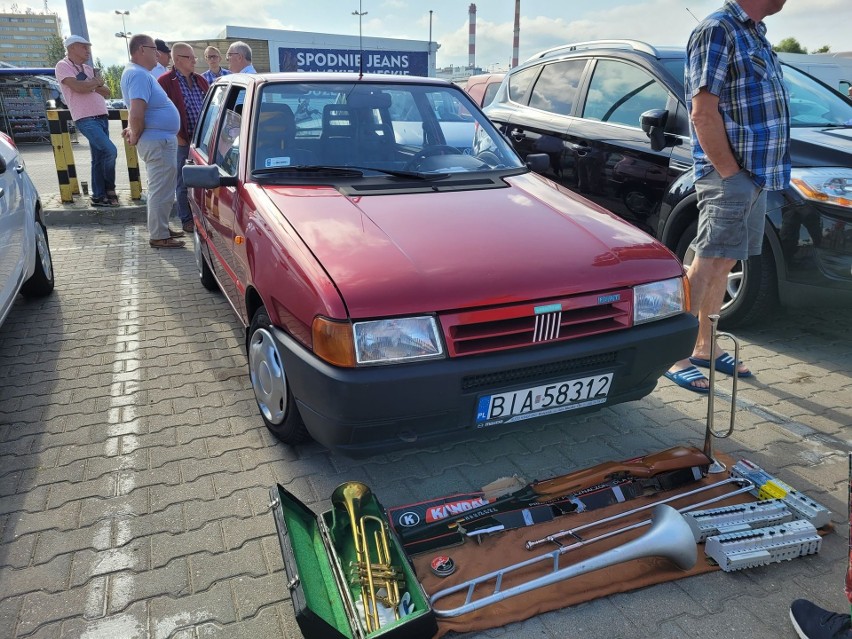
x=186, y=89
x=740, y=123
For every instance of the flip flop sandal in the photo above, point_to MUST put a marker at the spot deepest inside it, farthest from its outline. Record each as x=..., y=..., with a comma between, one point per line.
x=167, y=243
x=724, y=364
x=685, y=377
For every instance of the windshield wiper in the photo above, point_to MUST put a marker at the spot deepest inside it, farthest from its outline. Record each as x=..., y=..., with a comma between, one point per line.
x=405, y=174
x=309, y=168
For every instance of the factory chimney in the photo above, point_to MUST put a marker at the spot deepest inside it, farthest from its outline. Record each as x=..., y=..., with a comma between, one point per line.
x=471, y=43
x=517, y=35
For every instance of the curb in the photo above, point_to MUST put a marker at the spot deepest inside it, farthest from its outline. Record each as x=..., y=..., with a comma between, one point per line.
x=84, y=215
x=56, y=212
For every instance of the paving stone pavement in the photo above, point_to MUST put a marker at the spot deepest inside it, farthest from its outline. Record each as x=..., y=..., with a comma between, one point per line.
x=134, y=470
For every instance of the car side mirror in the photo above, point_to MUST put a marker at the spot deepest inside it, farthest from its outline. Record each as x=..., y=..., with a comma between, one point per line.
x=538, y=162
x=206, y=177
x=653, y=123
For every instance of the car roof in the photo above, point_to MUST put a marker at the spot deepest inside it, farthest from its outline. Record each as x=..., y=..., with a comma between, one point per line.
x=636, y=46
x=329, y=77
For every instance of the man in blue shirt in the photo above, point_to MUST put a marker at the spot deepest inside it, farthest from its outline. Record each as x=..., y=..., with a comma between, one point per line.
x=153, y=123
x=214, y=61
x=740, y=125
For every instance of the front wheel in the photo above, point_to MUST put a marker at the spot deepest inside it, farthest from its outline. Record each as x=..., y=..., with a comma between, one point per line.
x=41, y=281
x=751, y=292
x=270, y=384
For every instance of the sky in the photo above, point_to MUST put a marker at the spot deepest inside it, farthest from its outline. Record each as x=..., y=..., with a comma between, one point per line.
x=544, y=23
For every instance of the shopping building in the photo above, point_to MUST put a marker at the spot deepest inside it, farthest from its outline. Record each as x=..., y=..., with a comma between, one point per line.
x=281, y=50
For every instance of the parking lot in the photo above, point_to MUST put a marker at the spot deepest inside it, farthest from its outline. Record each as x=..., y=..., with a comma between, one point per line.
x=133, y=489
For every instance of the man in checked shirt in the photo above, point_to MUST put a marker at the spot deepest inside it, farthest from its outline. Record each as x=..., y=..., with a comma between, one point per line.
x=740, y=128
x=186, y=89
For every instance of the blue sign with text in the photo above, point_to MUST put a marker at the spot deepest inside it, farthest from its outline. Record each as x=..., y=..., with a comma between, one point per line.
x=390, y=62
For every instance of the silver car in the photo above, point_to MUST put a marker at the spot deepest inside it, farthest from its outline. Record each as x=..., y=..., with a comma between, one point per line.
x=25, y=263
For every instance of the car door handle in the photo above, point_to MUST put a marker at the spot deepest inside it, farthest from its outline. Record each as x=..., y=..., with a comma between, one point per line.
x=19, y=168
x=2, y=192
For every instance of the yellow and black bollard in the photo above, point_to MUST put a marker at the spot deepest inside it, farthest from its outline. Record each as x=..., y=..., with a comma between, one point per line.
x=61, y=142
x=131, y=155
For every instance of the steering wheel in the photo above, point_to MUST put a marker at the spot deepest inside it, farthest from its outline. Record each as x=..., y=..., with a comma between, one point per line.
x=429, y=151
x=489, y=158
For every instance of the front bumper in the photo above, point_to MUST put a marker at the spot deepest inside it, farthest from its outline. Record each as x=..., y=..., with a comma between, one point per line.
x=370, y=410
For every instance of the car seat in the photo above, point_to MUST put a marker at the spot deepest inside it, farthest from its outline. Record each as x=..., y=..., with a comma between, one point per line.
x=337, y=141
x=276, y=137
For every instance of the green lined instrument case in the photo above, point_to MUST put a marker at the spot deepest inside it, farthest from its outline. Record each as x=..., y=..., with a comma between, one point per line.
x=318, y=551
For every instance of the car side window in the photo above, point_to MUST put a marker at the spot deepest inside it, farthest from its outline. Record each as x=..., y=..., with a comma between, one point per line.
x=619, y=93
x=228, y=143
x=519, y=84
x=556, y=87
x=490, y=92
x=211, y=115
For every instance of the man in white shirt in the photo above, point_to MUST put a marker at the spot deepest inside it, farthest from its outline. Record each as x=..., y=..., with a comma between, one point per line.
x=239, y=58
x=163, y=57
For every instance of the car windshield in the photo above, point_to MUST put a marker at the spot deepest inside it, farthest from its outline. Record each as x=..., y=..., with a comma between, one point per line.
x=811, y=103
x=387, y=127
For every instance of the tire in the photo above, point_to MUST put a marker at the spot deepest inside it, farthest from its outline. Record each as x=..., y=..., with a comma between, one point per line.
x=269, y=381
x=752, y=289
x=41, y=282
x=208, y=281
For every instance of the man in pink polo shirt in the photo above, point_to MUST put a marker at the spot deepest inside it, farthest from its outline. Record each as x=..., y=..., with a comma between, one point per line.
x=84, y=91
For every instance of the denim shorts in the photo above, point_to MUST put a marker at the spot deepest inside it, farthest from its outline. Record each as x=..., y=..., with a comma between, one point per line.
x=731, y=216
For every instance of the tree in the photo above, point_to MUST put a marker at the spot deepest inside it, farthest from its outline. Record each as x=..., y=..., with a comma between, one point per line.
x=823, y=49
x=55, y=50
x=789, y=45
x=112, y=77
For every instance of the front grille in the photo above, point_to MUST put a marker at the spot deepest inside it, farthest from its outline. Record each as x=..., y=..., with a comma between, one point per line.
x=541, y=371
x=500, y=328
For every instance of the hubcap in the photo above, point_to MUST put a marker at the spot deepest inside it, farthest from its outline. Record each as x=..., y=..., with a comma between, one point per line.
x=267, y=376
x=43, y=251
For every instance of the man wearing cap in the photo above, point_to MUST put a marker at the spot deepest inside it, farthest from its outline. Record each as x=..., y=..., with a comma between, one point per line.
x=152, y=125
x=84, y=91
x=163, y=54
x=186, y=89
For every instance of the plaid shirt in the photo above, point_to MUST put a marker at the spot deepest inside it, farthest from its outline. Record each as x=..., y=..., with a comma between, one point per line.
x=729, y=55
x=193, y=98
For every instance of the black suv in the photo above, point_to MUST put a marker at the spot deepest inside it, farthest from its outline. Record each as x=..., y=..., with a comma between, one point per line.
x=612, y=118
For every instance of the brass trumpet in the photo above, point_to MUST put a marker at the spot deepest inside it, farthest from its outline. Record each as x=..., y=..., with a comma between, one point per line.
x=371, y=571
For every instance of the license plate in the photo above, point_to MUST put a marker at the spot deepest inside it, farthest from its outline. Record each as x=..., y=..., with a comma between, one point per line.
x=547, y=399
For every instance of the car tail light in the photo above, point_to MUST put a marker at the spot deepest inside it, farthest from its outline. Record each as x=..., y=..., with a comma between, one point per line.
x=8, y=139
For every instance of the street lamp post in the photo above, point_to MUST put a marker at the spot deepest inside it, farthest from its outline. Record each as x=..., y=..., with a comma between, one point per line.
x=124, y=33
x=360, y=15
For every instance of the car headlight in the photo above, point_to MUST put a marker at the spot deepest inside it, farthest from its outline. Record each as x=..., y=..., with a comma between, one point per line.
x=387, y=341
x=830, y=185
x=658, y=300
x=391, y=341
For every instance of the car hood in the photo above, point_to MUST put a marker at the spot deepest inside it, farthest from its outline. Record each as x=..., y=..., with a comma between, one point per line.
x=410, y=252
x=814, y=146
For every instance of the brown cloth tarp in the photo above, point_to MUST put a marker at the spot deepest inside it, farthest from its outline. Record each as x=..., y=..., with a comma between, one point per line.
x=507, y=548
